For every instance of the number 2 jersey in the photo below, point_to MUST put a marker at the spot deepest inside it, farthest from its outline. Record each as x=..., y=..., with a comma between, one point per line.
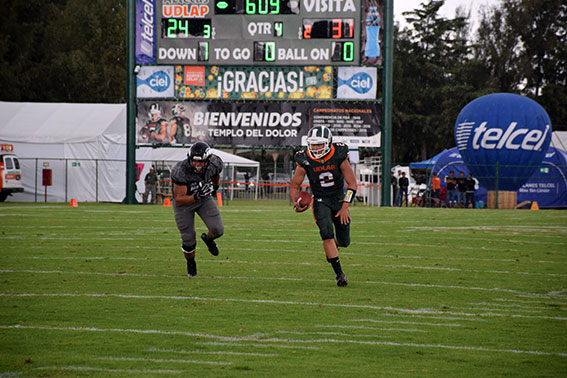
x=325, y=175
x=183, y=174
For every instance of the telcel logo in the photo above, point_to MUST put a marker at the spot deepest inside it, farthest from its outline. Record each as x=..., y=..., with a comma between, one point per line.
x=511, y=138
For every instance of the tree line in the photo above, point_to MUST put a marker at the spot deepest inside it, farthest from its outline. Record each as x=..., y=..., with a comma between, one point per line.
x=75, y=51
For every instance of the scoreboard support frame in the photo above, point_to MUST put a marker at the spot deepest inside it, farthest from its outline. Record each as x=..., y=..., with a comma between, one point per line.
x=386, y=103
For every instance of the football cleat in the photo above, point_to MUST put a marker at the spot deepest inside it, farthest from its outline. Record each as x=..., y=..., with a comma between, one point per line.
x=191, y=268
x=210, y=244
x=341, y=280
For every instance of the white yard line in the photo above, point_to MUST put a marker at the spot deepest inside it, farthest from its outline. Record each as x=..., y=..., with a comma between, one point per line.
x=331, y=333
x=406, y=322
x=256, y=345
x=168, y=360
x=301, y=341
x=511, y=291
x=108, y=370
x=274, y=302
x=227, y=352
x=227, y=248
x=338, y=326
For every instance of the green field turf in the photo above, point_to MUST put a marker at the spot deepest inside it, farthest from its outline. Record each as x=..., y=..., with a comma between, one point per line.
x=101, y=290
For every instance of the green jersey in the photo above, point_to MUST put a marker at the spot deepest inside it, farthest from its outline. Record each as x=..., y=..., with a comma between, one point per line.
x=325, y=175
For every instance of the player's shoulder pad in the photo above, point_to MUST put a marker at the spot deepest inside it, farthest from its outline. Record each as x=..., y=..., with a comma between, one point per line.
x=216, y=164
x=341, y=150
x=177, y=172
x=300, y=156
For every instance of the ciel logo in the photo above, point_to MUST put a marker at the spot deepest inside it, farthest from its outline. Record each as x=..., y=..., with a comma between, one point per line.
x=360, y=82
x=512, y=138
x=159, y=81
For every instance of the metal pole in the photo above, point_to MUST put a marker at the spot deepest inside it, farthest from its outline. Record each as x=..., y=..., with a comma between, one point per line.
x=131, y=105
x=387, y=80
x=35, y=189
x=96, y=181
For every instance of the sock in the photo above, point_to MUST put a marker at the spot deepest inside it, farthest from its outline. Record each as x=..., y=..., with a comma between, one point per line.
x=336, y=264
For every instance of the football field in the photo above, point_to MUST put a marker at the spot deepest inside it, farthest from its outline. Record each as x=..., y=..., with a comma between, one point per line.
x=101, y=290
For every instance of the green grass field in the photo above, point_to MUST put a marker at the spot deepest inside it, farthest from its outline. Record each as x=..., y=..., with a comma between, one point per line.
x=101, y=290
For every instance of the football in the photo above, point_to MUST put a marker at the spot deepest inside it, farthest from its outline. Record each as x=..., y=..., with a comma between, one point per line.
x=304, y=198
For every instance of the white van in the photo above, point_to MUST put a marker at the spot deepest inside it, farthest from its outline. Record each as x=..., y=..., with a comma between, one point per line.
x=10, y=172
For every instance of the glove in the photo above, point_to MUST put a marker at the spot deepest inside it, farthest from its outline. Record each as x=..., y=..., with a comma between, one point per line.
x=203, y=191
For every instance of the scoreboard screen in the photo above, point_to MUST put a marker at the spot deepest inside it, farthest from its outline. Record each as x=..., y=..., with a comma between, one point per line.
x=260, y=32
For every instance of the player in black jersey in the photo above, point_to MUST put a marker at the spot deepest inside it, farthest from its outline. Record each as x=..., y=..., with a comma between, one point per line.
x=194, y=181
x=327, y=167
x=179, y=126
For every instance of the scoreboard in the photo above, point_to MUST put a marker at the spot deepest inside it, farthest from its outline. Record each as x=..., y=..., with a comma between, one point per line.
x=264, y=32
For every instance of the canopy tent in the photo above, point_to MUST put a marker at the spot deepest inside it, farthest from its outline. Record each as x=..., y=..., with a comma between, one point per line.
x=427, y=164
x=547, y=186
x=85, y=147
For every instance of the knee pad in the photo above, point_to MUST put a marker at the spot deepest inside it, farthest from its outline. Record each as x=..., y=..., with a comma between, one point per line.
x=217, y=232
x=343, y=242
x=188, y=248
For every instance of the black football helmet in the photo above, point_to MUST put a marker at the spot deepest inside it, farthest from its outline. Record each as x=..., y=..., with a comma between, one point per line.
x=199, y=152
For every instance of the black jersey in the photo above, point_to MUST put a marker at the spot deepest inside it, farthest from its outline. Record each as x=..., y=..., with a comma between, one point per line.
x=183, y=133
x=183, y=174
x=325, y=175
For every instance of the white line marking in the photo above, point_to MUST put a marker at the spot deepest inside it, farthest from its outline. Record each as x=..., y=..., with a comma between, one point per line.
x=397, y=257
x=256, y=345
x=165, y=360
x=517, y=306
x=540, y=303
x=182, y=351
x=548, y=295
x=405, y=322
x=366, y=327
x=89, y=368
x=332, y=333
x=302, y=341
x=268, y=301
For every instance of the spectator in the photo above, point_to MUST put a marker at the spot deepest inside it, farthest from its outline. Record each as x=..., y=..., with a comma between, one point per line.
x=394, y=182
x=150, y=181
x=461, y=190
x=403, y=182
x=469, y=194
x=451, y=182
x=436, y=186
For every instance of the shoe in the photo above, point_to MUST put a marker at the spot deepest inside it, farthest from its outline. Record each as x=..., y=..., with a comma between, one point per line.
x=191, y=268
x=210, y=244
x=341, y=280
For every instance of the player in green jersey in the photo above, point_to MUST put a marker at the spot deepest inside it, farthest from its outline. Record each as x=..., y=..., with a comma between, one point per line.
x=327, y=167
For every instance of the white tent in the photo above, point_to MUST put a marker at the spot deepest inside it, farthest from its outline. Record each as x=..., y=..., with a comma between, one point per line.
x=85, y=147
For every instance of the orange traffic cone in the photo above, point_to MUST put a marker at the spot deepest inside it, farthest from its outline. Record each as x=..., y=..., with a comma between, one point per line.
x=73, y=202
x=167, y=202
x=534, y=206
x=219, y=199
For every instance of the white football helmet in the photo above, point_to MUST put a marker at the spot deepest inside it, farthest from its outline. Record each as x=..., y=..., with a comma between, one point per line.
x=319, y=135
x=155, y=108
x=177, y=110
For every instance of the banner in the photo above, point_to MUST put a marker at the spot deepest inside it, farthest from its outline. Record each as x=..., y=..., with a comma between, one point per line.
x=255, y=123
x=357, y=83
x=145, y=31
x=372, y=32
x=154, y=82
x=254, y=83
